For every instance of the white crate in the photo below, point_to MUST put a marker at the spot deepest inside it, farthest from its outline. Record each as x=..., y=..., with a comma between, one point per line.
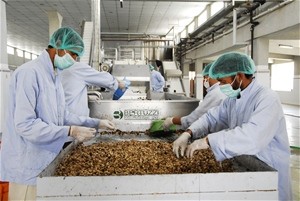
x=212, y=186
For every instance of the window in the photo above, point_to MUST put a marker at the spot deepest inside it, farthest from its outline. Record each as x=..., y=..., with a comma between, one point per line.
x=10, y=50
x=27, y=55
x=282, y=76
x=215, y=7
x=192, y=75
x=191, y=27
x=183, y=34
x=177, y=39
x=33, y=56
x=202, y=18
x=20, y=53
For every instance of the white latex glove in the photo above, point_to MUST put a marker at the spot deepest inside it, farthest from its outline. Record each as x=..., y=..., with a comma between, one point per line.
x=167, y=123
x=181, y=143
x=124, y=83
x=121, y=84
x=82, y=133
x=104, y=124
x=196, y=145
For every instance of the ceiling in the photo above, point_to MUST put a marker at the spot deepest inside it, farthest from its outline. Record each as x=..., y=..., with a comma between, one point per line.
x=27, y=20
x=28, y=29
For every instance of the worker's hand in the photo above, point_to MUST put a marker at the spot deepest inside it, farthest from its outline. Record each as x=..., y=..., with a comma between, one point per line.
x=196, y=145
x=82, y=133
x=181, y=143
x=104, y=124
x=167, y=123
x=124, y=84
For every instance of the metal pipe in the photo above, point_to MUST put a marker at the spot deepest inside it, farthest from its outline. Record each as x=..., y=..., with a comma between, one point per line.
x=136, y=39
x=122, y=33
x=272, y=9
x=252, y=33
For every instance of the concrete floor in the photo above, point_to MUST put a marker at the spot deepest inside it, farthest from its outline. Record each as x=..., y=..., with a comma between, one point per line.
x=292, y=114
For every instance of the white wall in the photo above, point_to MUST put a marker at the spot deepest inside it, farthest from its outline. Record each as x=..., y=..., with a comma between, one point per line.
x=291, y=98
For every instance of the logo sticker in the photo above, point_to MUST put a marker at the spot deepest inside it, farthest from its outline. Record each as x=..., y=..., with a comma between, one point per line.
x=118, y=114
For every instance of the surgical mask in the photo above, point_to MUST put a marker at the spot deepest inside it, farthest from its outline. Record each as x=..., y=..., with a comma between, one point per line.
x=229, y=91
x=63, y=62
x=206, y=83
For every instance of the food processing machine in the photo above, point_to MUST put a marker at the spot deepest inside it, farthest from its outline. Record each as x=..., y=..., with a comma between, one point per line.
x=139, y=75
x=139, y=105
x=173, y=76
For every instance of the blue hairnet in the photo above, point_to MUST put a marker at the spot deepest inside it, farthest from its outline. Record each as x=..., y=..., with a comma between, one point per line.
x=230, y=64
x=151, y=67
x=205, y=71
x=66, y=38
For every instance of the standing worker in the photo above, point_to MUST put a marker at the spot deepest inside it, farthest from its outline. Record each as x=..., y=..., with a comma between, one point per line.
x=249, y=122
x=75, y=81
x=213, y=98
x=157, y=80
x=37, y=122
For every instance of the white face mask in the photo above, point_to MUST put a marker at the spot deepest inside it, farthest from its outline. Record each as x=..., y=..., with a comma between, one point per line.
x=63, y=62
x=206, y=83
x=229, y=91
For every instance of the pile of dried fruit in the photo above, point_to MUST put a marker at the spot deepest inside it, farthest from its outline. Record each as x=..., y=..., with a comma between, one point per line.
x=136, y=158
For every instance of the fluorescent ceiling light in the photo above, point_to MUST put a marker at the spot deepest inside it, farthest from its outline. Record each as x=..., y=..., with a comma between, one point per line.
x=285, y=46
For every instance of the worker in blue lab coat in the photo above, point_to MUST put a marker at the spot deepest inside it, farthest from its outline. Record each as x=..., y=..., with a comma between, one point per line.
x=213, y=98
x=37, y=121
x=75, y=81
x=157, y=80
x=249, y=122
